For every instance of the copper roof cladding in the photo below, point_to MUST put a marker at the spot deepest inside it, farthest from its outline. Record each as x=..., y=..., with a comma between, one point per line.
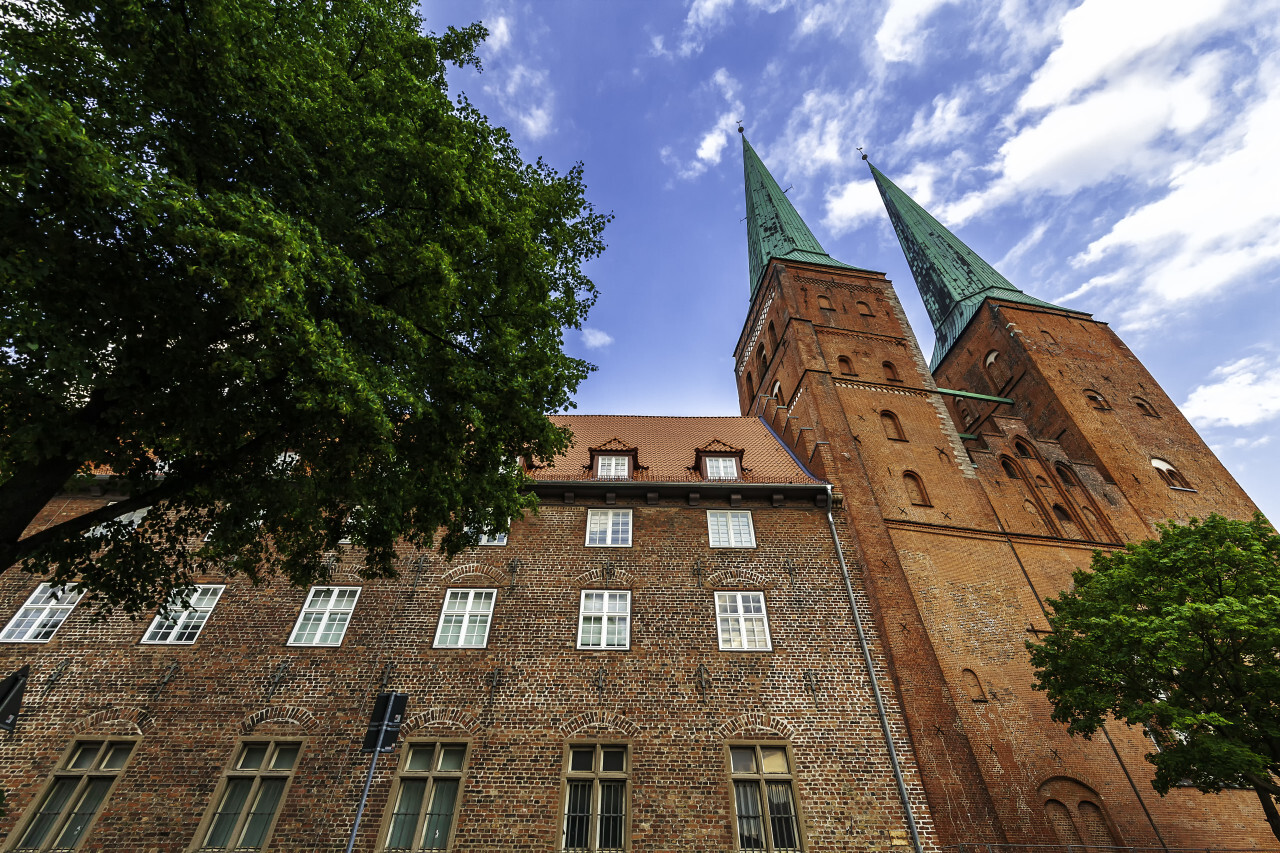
x=667, y=449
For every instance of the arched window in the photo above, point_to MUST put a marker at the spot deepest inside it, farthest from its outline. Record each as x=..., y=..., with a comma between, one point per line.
x=1060, y=513
x=1171, y=475
x=1010, y=469
x=751, y=388
x=1093, y=825
x=773, y=336
x=1096, y=399
x=1042, y=482
x=1048, y=337
x=1023, y=450
x=1091, y=518
x=846, y=366
x=1060, y=819
x=890, y=372
x=864, y=309
x=991, y=359
x=1064, y=474
x=762, y=361
x=915, y=489
x=972, y=686
x=892, y=426
x=1145, y=407
x=824, y=303
x=777, y=392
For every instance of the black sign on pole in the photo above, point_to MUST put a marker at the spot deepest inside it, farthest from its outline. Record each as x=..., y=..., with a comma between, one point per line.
x=11, y=690
x=385, y=722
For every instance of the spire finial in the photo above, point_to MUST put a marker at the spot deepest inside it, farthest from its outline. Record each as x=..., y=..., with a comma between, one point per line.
x=739, y=121
x=863, y=153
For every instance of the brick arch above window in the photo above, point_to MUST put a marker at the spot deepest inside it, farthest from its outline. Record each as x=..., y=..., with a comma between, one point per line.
x=914, y=486
x=892, y=426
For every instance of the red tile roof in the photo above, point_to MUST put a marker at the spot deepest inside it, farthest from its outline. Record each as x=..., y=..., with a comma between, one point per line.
x=667, y=448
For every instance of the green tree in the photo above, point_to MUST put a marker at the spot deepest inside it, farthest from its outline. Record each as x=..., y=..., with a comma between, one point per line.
x=1180, y=635
x=257, y=263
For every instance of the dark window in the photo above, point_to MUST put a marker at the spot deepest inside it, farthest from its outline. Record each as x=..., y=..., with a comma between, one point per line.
x=846, y=366
x=890, y=372
x=1023, y=450
x=764, y=802
x=426, y=796
x=1171, y=475
x=1096, y=400
x=762, y=361
x=1145, y=407
x=249, y=798
x=595, y=798
x=79, y=788
x=1010, y=469
x=773, y=337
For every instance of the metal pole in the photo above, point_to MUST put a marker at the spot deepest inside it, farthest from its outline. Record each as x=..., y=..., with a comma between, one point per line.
x=368, y=780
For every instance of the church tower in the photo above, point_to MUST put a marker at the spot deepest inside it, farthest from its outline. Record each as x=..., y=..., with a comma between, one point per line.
x=970, y=489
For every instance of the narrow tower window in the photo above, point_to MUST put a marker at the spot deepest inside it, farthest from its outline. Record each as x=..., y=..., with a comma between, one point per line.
x=1010, y=469
x=892, y=426
x=824, y=303
x=1096, y=400
x=890, y=372
x=972, y=686
x=846, y=366
x=1145, y=407
x=1023, y=450
x=1171, y=476
x=1064, y=474
x=865, y=310
x=915, y=489
x=762, y=361
x=773, y=337
x=751, y=388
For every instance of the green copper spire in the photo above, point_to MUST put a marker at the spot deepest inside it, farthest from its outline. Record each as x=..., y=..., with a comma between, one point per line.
x=952, y=279
x=774, y=229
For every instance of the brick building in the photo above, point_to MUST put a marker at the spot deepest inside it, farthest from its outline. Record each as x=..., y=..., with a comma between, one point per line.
x=798, y=629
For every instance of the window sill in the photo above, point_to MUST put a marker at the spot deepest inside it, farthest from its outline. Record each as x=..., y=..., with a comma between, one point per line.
x=1181, y=489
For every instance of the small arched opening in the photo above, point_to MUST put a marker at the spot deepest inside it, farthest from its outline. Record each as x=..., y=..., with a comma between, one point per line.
x=890, y=372
x=892, y=426
x=914, y=487
x=1172, y=476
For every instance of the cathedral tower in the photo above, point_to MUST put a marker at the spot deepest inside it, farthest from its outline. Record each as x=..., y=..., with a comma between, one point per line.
x=972, y=488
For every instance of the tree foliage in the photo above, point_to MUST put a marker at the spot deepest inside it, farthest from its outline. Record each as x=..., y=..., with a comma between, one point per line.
x=1180, y=635
x=255, y=262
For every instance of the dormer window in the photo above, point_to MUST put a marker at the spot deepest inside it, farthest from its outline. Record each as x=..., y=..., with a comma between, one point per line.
x=612, y=467
x=721, y=467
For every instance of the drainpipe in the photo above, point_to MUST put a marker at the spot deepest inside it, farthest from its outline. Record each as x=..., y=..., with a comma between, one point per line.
x=875, y=685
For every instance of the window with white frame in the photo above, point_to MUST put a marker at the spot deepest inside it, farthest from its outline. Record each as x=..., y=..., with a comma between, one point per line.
x=612, y=467
x=325, y=615
x=42, y=615
x=721, y=467
x=184, y=614
x=609, y=527
x=604, y=619
x=742, y=621
x=730, y=528
x=464, y=619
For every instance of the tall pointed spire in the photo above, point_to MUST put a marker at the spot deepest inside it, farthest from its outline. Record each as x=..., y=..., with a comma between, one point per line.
x=774, y=229
x=952, y=279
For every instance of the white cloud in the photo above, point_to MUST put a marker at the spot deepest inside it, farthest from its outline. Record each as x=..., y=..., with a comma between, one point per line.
x=526, y=96
x=1122, y=128
x=704, y=16
x=1244, y=392
x=1219, y=221
x=817, y=133
x=901, y=35
x=595, y=339
x=947, y=121
x=499, y=34
x=1101, y=36
x=852, y=205
x=713, y=141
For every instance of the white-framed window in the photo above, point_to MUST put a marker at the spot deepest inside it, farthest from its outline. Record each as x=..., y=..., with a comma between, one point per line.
x=612, y=467
x=721, y=467
x=464, y=619
x=492, y=539
x=324, y=617
x=180, y=623
x=730, y=528
x=609, y=527
x=742, y=622
x=604, y=619
x=43, y=614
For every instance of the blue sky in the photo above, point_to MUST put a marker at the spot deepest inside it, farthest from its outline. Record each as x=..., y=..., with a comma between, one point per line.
x=1117, y=157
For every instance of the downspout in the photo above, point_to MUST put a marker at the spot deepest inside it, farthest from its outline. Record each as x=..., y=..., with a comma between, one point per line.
x=875, y=685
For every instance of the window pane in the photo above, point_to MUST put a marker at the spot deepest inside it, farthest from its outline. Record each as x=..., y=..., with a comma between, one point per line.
x=718, y=529
x=435, y=835
x=404, y=820
x=264, y=809
x=612, y=815
x=616, y=633
x=774, y=759
x=54, y=802
x=451, y=757
x=592, y=631
x=116, y=756
x=224, y=819
x=782, y=817
x=450, y=630
x=252, y=756
x=577, y=821
x=580, y=760
x=94, y=793
x=286, y=755
x=84, y=756
x=613, y=760
x=420, y=757
x=742, y=759
x=477, y=630
x=750, y=826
